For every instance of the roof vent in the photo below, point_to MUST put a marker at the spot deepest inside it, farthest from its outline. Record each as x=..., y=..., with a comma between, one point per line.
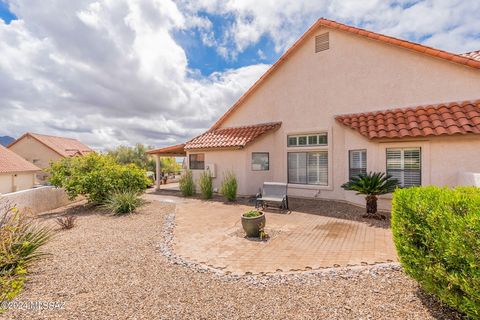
x=322, y=42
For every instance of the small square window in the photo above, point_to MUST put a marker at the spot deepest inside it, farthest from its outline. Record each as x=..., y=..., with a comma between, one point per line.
x=260, y=161
x=322, y=139
x=302, y=140
x=313, y=140
x=292, y=141
x=197, y=161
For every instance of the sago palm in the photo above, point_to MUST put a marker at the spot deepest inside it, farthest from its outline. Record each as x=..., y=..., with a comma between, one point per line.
x=372, y=185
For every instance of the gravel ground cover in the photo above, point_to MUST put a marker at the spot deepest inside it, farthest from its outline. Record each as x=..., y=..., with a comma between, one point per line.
x=123, y=268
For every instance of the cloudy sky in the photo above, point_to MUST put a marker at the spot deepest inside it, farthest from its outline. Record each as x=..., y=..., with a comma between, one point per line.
x=113, y=72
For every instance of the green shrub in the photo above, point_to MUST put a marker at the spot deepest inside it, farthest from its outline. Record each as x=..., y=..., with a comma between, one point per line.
x=186, y=184
x=228, y=187
x=437, y=235
x=96, y=177
x=122, y=202
x=252, y=214
x=20, y=242
x=206, y=185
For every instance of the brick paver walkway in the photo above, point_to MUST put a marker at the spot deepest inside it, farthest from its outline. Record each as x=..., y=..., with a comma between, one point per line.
x=211, y=233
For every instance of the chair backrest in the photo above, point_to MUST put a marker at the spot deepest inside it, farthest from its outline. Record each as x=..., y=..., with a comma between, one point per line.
x=274, y=189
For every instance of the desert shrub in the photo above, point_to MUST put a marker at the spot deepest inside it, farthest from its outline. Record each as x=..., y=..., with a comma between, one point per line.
x=96, y=177
x=122, y=202
x=206, y=185
x=20, y=242
x=67, y=222
x=437, y=235
x=252, y=214
x=228, y=187
x=186, y=184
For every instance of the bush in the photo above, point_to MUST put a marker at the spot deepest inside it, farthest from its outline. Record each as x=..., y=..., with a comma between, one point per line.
x=67, y=222
x=122, y=202
x=96, y=177
x=20, y=243
x=186, y=184
x=437, y=235
x=229, y=186
x=206, y=185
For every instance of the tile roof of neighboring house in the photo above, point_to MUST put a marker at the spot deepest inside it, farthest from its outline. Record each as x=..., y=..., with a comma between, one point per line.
x=431, y=120
x=66, y=147
x=236, y=137
x=472, y=55
x=12, y=162
x=178, y=149
x=447, y=56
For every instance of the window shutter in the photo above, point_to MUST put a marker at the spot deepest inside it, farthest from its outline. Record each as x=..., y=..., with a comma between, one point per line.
x=405, y=165
x=358, y=162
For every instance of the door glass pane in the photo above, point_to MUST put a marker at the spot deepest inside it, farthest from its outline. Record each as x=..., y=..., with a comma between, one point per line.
x=297, y=167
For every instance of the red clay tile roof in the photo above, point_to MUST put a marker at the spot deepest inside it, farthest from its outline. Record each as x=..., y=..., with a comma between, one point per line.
x=176, y=150
x=12, y=162
x=472, y=55
x=237, y=137
x=432, y=120
x=451, y=57
x=66, y=147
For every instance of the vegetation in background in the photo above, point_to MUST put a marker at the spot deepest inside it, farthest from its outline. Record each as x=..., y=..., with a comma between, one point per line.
x=437, y=235
x=372, y=185
x=96, y=177
x=186, y=184
x=20, y=242
x=67, y=222
x=122, y=202
x=228, y=187
x=206, y=185
x=138, y=155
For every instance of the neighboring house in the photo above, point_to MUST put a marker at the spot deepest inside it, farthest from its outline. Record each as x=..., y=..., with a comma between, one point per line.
x=344, y=100
x=16, y=173
x=41, y=150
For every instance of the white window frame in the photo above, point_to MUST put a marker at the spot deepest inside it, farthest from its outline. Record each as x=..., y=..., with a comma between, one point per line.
x=361, y=151
x=402, y=161
x=328, y=147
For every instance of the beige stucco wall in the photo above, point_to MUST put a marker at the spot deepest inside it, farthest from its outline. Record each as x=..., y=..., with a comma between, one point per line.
x=11, y=182
x=38, y=199
x=355, y=75
x=36, y=153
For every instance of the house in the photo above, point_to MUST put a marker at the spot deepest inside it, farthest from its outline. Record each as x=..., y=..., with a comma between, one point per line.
x=41, y=150
x=16, y=173
x=344, y=100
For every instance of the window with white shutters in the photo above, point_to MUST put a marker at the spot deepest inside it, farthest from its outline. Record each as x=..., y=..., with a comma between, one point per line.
x=405, y=165
x=308, y=167
x=357, y=163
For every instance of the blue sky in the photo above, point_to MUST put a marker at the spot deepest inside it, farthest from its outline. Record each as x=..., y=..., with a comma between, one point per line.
x=5, y=14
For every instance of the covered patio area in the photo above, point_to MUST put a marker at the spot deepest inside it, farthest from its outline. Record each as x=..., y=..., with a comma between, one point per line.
x=167, y=152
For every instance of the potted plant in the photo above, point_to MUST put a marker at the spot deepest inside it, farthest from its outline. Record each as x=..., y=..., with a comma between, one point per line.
x=253, y=223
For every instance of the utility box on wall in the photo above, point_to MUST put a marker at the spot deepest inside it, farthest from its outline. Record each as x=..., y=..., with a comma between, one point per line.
x=210, y=167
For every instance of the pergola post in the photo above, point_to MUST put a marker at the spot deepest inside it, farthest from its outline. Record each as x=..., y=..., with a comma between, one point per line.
x=157, y=171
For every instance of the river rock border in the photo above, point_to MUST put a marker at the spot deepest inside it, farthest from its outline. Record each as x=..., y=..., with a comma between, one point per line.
x=303, y=276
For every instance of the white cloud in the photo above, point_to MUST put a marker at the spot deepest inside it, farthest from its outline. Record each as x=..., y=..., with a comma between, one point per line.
x=110, y=71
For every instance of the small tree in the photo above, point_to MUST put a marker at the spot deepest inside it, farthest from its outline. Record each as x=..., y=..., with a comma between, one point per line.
x=206, y=185
x=186, y=184
x=96, y=177
x=229, y=186
x=372, y=185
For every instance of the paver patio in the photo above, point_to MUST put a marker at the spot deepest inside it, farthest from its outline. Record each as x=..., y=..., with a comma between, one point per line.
x=210, y=232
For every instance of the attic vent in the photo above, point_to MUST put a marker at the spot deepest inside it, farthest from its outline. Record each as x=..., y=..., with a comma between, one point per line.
x=322, y=42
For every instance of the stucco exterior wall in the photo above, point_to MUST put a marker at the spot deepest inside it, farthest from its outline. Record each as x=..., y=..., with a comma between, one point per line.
x=36, y=153
x=39, y=199
x=11, y=182
x=355, y=75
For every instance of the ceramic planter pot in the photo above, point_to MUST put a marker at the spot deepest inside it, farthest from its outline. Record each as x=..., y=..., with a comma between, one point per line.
x=252, y=225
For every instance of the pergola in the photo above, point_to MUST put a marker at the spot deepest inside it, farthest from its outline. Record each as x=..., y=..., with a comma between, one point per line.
x=172, y=151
